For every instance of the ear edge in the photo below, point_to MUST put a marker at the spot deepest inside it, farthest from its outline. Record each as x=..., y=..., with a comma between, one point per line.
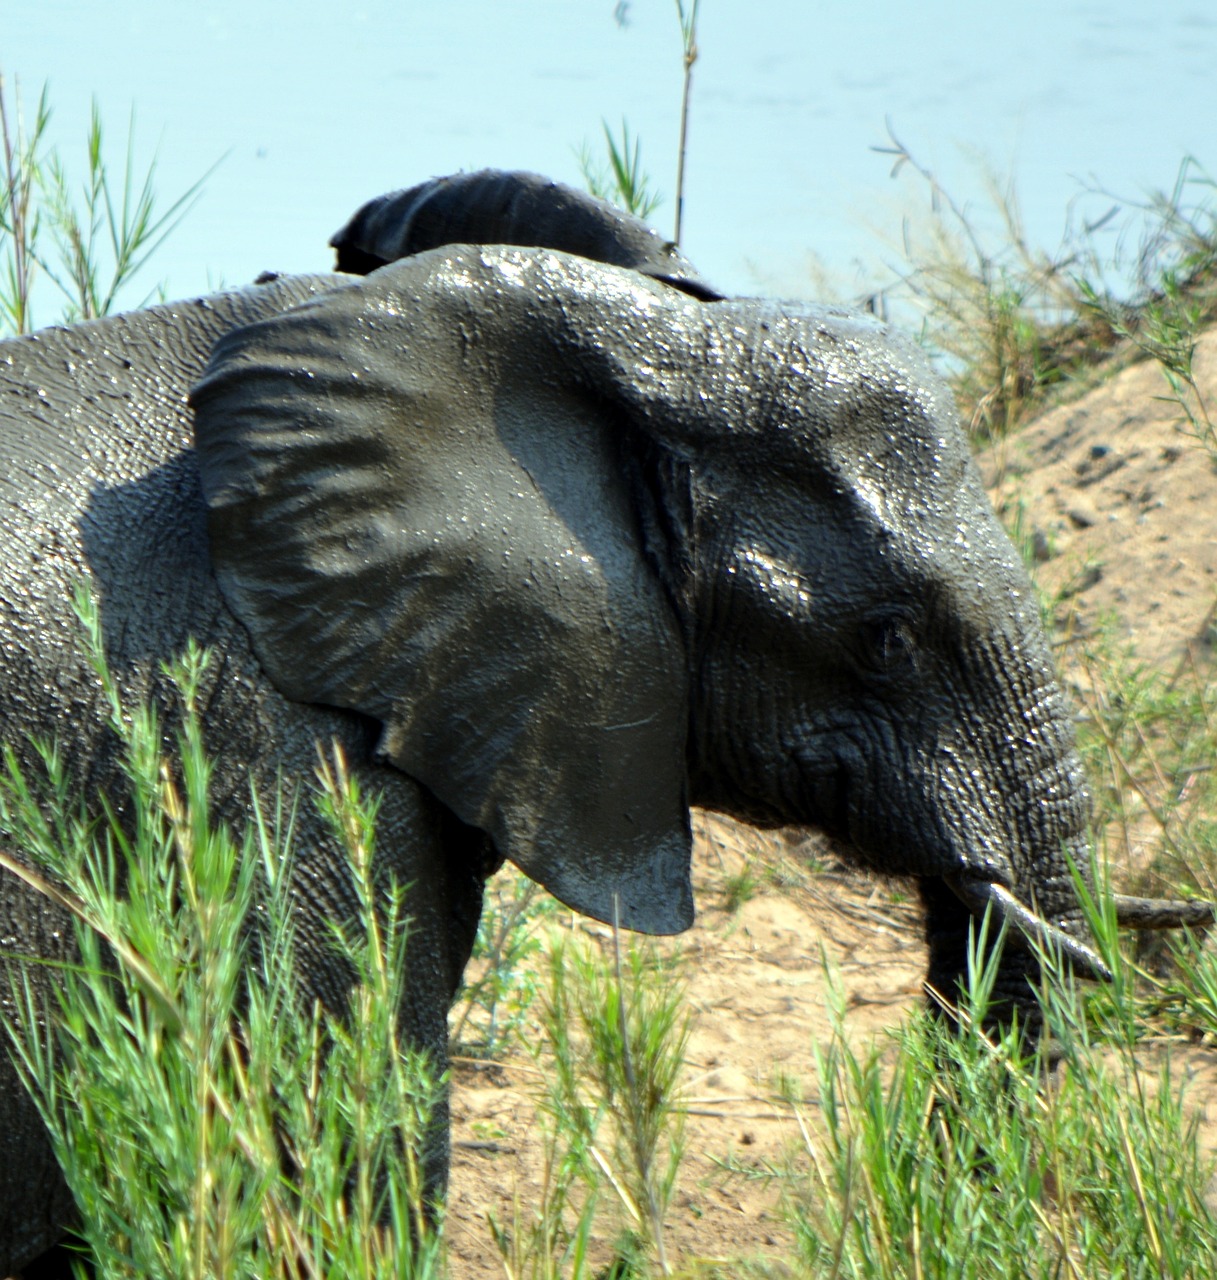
x=509, y=207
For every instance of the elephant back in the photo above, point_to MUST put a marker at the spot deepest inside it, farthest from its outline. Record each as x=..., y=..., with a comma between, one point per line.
x=84, y=403
x=99, y=484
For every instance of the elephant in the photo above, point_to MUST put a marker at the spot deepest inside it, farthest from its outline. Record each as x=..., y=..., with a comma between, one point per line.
x=555, y=540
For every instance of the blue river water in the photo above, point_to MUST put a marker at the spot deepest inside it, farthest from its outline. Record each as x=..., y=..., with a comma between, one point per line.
x=305, y=110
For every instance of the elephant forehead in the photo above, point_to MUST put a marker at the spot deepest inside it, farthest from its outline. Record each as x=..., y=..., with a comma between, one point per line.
x=752, y=394
x=884, y=414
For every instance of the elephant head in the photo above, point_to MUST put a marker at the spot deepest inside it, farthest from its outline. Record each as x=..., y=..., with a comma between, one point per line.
x=590, y=548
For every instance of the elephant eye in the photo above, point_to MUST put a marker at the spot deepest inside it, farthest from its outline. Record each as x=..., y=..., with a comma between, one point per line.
x=889, y=646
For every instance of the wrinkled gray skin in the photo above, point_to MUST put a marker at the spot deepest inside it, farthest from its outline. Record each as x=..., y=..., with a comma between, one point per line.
x=553, y=549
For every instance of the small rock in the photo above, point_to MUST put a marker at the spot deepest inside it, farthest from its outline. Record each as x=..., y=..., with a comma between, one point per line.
x=1041, y=547
x=1082, y=514
x=1089, y=577
x=1099, y=463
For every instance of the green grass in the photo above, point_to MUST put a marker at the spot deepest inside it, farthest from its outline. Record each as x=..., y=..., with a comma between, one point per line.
x=950, y=1158
x=272, y=1139
x=495, y=1006
x=614, y=1033
x=620, y=177
x=1012, y=323
x=208, y=1122
x=78, y=236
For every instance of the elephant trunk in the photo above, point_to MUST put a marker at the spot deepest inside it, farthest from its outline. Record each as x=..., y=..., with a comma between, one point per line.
x=1042, y=913
x=1037, y=802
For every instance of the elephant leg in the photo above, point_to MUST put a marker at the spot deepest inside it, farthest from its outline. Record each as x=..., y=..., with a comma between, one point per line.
x=469, y=859
x=34, y=1199
x=60, y=1262
x=442, y=864
x=949, y=929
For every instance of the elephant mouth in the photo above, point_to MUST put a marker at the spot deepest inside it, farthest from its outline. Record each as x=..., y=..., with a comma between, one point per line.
x=834, y=792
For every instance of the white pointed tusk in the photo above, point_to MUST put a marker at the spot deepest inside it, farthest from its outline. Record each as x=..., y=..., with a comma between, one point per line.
x=1025, y=926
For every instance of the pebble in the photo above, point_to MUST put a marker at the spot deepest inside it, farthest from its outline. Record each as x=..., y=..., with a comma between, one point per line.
x=1082, y=514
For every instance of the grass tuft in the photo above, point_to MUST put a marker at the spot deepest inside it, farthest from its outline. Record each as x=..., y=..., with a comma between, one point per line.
x=1012, y=322
x=208, y=1123
x=87, y=240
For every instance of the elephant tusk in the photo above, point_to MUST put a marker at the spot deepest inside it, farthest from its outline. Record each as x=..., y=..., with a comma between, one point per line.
x=1025, y=926
x=1162, y=913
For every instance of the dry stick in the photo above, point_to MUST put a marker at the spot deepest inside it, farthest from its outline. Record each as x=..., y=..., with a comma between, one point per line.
x=149, y=982
x=485, y=1064
x=1152, y=757
x=688, y=32
x=1120, y=765
x=707, y=1114
x=1134, y=1168
x=1188, y=659
x=1057, y=1238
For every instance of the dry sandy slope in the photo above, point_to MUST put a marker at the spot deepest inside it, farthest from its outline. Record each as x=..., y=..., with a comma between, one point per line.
x=1122, y=505
x=1125, y=510
x=757, y=991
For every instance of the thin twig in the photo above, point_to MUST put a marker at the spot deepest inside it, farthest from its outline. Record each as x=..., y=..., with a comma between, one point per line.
x=688, y=33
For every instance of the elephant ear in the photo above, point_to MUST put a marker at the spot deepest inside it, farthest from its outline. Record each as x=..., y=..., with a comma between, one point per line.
x=416, y=518
x=500, y=207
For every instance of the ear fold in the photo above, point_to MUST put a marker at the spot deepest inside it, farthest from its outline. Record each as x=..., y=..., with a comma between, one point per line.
x=497, y=207
x=420, y=519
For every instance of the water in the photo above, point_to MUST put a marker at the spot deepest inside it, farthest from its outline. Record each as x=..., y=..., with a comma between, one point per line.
x=310, y=109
